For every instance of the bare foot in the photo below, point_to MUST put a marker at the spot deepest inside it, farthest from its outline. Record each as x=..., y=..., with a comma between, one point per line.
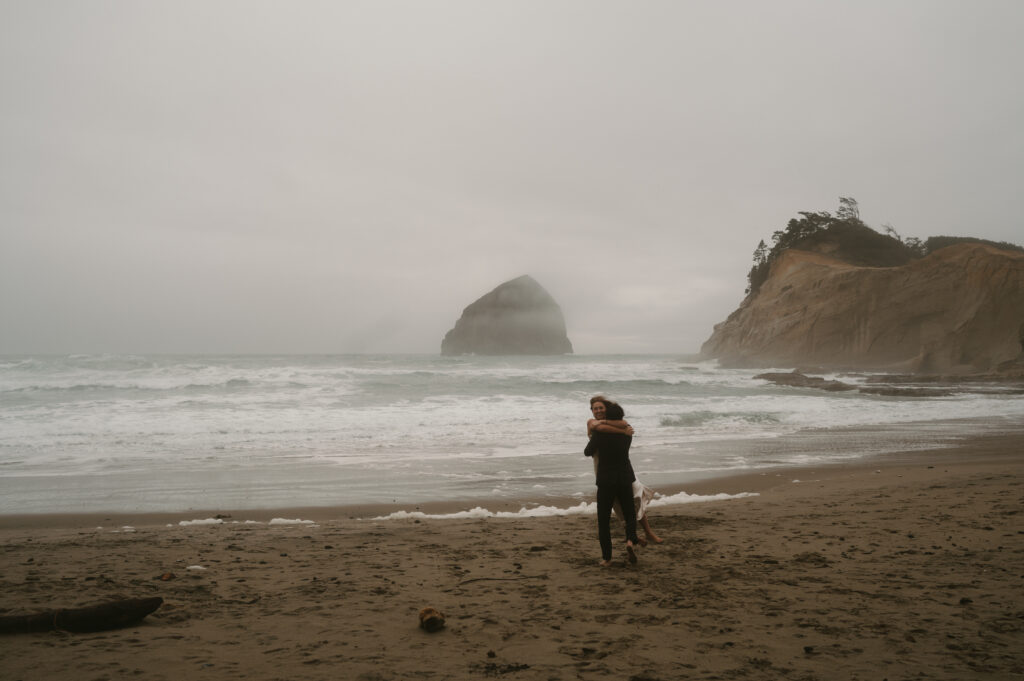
x=605, y=563
x=631, y=551
x=649, y=532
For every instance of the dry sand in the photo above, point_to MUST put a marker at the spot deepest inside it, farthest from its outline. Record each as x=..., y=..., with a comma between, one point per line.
x=906, y=570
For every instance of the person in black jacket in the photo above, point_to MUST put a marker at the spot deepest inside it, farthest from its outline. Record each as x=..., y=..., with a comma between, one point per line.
x=642, y=494
x=614, y=479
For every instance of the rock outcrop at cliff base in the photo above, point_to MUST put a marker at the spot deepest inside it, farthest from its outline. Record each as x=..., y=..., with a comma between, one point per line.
x=957, y=310
x=517, y=318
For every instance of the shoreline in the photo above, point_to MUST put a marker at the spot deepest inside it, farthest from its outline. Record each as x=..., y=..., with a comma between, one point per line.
x=901, y=567
x=989, y=448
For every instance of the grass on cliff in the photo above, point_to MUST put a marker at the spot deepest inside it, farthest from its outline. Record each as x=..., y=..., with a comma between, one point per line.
x=845, y=237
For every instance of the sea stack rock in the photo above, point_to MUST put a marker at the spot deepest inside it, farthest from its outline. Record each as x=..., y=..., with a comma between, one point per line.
x=517, y=318
x=959, y=310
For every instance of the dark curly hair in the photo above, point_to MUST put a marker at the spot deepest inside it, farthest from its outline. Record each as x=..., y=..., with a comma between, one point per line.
x=613, y=411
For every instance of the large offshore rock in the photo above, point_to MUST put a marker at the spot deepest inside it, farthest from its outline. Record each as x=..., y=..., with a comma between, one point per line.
x=517, y=318
x=957, y=310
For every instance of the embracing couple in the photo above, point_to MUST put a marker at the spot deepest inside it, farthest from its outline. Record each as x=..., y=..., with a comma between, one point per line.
x=610, y=437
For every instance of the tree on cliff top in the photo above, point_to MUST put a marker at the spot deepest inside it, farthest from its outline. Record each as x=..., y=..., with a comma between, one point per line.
x=846, y=237
x=843, y=236
x=848, y=209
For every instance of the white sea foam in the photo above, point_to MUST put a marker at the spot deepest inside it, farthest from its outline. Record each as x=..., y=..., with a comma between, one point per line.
x=684, y=498
x=583, y=508
x=287, y=521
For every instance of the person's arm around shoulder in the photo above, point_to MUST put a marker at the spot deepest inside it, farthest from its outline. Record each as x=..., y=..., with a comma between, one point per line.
x=620, y=427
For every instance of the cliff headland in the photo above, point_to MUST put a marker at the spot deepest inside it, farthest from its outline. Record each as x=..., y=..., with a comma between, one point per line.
x=838, y=295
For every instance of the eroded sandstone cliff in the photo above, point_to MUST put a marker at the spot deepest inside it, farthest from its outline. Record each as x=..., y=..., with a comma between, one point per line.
x=517, y=318
x=958, y=310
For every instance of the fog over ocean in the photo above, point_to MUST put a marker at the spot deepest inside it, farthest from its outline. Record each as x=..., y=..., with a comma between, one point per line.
x=172, y=433
x=345, y=177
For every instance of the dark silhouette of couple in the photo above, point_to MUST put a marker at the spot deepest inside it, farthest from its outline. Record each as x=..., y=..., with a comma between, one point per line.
x=610, y=437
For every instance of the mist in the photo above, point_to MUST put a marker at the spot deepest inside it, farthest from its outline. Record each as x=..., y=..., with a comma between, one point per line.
x=335, y=177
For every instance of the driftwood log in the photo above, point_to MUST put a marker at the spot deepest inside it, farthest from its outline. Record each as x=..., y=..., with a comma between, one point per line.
x=110, y=615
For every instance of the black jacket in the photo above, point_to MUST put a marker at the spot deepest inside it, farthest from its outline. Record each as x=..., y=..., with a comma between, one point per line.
x=613, y=465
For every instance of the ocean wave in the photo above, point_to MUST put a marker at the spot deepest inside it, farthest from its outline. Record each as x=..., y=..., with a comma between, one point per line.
x=620, y=385
x=696, y=419
x=423, y=427
x=157, y=385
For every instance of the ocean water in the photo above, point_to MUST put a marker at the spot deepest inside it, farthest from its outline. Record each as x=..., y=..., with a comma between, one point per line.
x=174, y=433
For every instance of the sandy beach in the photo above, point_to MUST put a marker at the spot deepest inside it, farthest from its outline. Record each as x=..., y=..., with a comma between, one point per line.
x=909, y=568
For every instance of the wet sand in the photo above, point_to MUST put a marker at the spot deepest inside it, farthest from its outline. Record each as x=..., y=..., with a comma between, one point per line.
x=906, y=567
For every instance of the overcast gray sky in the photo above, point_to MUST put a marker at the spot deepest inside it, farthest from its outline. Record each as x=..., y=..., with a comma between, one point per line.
x=242, y=176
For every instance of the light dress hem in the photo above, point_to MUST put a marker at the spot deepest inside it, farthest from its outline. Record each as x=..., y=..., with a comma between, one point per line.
x=642, y=495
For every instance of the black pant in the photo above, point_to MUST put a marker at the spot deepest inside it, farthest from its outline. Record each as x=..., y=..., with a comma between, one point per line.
x=606, y=495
